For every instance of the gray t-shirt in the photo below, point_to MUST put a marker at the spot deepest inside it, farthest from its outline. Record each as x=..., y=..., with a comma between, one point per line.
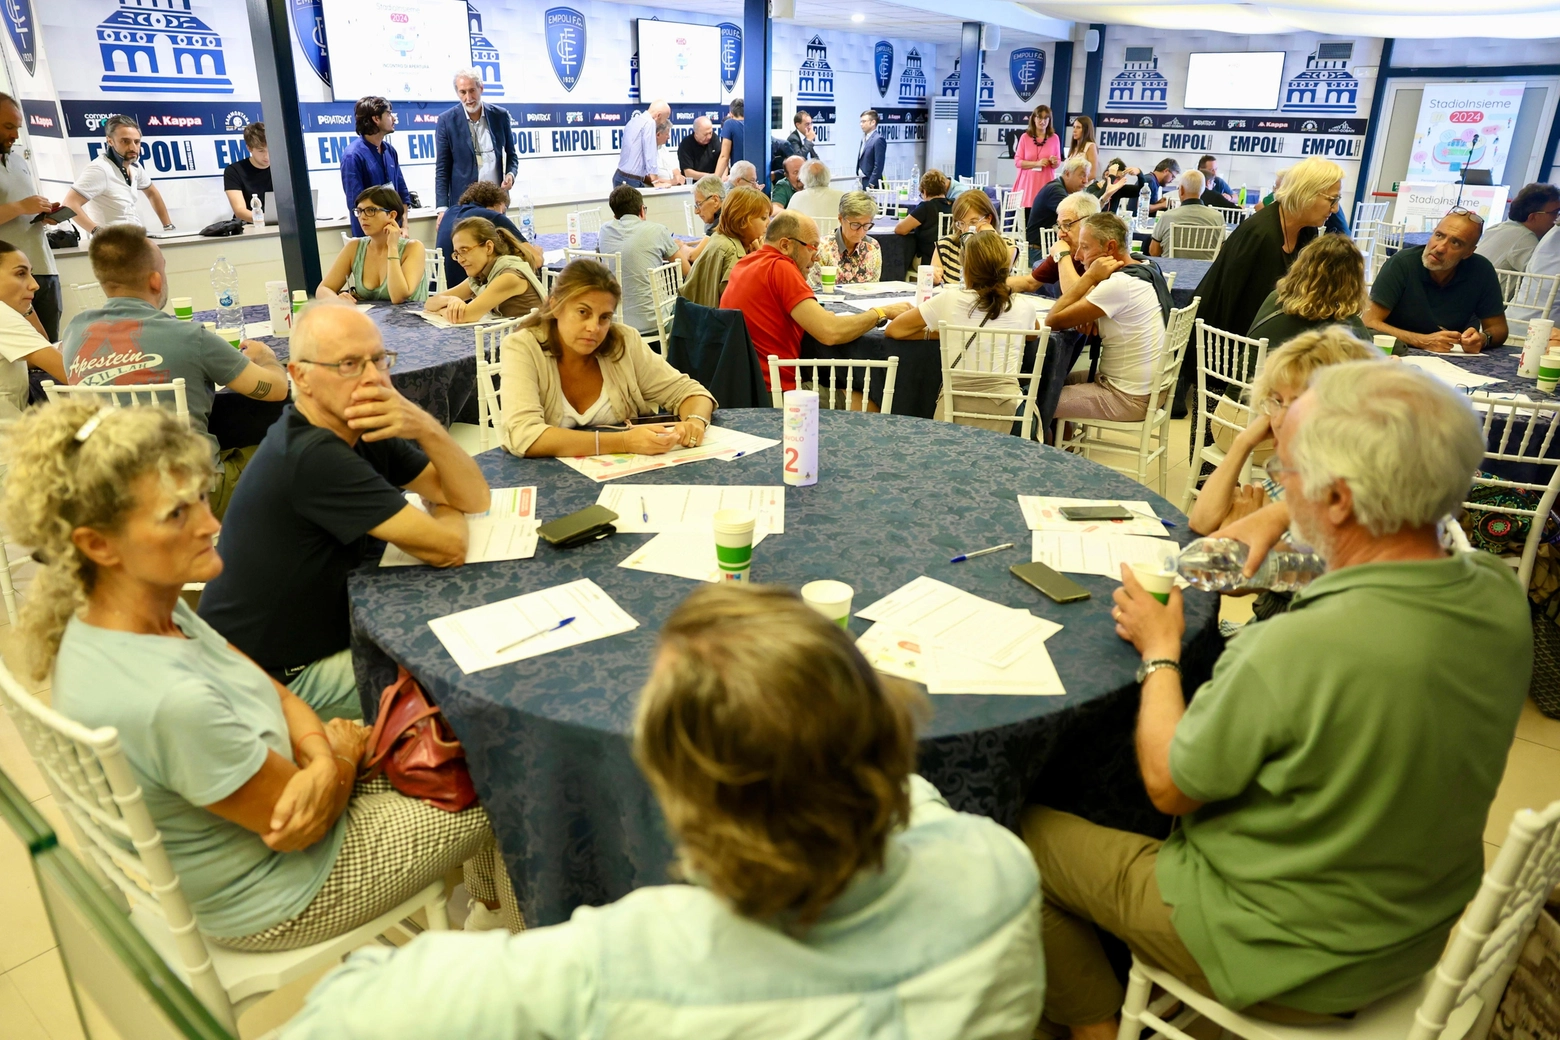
x=16, y=183
x=1190, y=212
x=643, y=245
x=196, y=721
x=128, y=341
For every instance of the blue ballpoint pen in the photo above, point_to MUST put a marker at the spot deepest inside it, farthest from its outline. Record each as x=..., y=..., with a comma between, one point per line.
x=980, y=552
x=644, y=511
x=533, y=635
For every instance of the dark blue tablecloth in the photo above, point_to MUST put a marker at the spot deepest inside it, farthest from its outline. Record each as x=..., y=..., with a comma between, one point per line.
x=435, y=369
x=548, y=738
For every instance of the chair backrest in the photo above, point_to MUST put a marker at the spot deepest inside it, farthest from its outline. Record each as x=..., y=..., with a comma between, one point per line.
x=433, y=269
x=1527, y=296
x=590, y=219
x=1012, y=210
x=1019, y=244
x=691, y=219
x=1232, y=217
x=944, y=224
x=1195, y=241
x=1227, y=366
x=827, y=226
x=1386, y=239
x=156, y=395
x=665, y=282
x=613, y=261
x=1048, y=237
x=970, y=352
x=89, y=295
x=489, y=361
x=1170, y=279
x=1484, y=947
x=808, y=370
x=887, y=201
x=1517, y=433
x=94, y=787
x=982, y=178
x=1367, y=214
x=1178, y=337
x=907, y=185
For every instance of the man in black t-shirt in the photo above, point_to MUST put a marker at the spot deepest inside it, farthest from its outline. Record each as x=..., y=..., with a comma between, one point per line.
x=1442, y=294
x=243, y=180
x=329, y=474
x=698, y=153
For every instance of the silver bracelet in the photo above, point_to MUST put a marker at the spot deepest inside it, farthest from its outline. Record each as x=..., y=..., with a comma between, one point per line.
x=598, y=442
x=701, y=418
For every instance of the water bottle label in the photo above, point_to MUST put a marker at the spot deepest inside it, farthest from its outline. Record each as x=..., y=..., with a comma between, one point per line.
x=227, y=298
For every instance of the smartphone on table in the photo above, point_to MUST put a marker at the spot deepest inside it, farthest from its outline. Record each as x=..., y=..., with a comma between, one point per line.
x=1095, y=513
x=1054, y=584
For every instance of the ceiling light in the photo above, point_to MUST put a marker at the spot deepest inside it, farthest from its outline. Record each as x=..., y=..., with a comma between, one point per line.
x=858, y=17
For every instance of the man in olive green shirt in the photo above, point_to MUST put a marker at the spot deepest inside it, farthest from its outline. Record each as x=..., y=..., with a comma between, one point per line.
x=1333, y=778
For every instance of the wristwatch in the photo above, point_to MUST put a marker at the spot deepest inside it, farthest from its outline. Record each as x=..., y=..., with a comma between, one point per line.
x=168, y=227
x=882, y=315
x=1152, y=665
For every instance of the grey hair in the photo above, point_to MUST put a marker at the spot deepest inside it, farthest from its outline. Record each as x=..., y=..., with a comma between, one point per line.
x=1107, y=228
x=709, y=185
x=1406, y=444
x=1194, y=180
x=1080, y=204
x=857, y=204
x=1076, y=164
x=663, y=126
x=114, y=122
x=815, y=175
x=744, y=170
x=468, y=73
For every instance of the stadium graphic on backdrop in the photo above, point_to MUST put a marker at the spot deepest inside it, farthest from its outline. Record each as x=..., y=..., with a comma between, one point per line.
x=815, y=79
x=912, y=81
x=1139, y=86
x=1325, y=85
x=484, y=56
x=988, y=86
x=160, y=47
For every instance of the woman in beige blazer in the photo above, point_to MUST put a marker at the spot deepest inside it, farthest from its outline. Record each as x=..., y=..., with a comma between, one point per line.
x=574, y=371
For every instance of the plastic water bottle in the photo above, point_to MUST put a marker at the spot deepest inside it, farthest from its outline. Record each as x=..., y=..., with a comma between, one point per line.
x=224, y=283
x=1144, y=201
x=527, y=218
x=1215, y=565
x=257, y=208
x=1121, y=208
x=1242, y=201
x=915, y=182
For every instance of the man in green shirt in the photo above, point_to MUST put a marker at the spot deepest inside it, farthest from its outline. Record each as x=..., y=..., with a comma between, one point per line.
x=788, y=185
x=1333, y=778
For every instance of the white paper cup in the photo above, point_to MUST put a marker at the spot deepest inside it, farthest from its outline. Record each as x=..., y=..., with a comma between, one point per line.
x=233, y=336
x=1156, y=581
x=1548, y=372
x=831, y=599
x=734, y=543
x=183, y=307
x=828, y=274
x=1535, y=345
x=1385, y=343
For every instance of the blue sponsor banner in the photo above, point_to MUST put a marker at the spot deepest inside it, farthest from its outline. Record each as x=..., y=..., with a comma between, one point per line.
x=164, y=118
x=565, y=29
x=309, y=23
x=43, y=118
x=1026, y=68
x=730, y=54
x=903, y=115
x=883, y=66
x=19, y=25
x=1251, y=124
x=336, y=116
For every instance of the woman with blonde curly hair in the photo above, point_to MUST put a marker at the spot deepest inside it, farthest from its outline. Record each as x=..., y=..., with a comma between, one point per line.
x=276, y=844
x=831, y=889
x=1326, y=286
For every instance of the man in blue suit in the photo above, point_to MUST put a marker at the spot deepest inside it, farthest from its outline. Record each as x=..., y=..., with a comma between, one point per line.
x=474, y=143
x=874, y=149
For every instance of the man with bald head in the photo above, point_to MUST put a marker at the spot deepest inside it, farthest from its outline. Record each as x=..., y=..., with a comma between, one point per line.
x=331, y=473
x=698, y=153
x=1442, y=294
x=636, y=162
x=788, y=185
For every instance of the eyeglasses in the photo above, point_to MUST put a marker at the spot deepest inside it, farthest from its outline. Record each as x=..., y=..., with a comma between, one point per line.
x=857, y=225
x=1459, y=211
x=1271, y=406
x=1332, y=200
x=1275, y=469
x=353, y=367
x=461, y=254
x=1068, y=225
x=809, y=246
x=369, y=211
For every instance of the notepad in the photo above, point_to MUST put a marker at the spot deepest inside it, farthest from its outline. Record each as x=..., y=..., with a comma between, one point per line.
x=439, y=321
x=946, y=617
x=720, y=442
x=1449, y=373
x=946, y=671
x=690, y=507
x=473, y=637
x=507, y=531
x=1101, y=554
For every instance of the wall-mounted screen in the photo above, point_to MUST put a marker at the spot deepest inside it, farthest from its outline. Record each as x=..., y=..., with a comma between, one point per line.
x=403, y=50
x=678, y=61
x=1247, y=81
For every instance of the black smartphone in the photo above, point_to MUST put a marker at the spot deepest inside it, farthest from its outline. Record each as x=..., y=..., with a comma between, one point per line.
x=1057, y=586
x=1095, y=513
x=59, y=216
x=587, y=525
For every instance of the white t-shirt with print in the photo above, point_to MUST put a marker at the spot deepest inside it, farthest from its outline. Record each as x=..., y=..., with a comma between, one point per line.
x=113, y=200
x=959, y=306
x=1131, y=333
x=17, y=339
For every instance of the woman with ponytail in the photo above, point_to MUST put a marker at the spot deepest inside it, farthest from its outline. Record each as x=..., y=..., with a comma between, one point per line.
x=984, y=300
x=250, y=791
x=500, y=274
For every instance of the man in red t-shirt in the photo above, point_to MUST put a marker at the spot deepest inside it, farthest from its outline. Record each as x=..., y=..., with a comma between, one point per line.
x=769, y=288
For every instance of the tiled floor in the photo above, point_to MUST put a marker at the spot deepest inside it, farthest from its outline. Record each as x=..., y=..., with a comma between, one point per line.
x=35, y=1002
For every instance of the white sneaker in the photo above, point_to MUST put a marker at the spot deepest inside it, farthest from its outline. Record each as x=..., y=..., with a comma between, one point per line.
x=480, y=919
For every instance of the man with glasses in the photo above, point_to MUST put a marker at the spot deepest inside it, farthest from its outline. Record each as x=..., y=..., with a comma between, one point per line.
x=1071, y=176
x=708, y=194
x=1509, y=244
x=331, y=473
x=473, y=143
x=1060, y=267
x=769, y=287
x=1443, y=294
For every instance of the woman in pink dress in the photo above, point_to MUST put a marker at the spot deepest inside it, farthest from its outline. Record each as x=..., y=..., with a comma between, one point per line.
x=1036, y=154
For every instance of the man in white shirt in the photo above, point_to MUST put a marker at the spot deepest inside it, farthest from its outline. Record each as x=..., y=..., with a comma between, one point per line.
x=111, y=181
x=667, y=172
x=1192, y=212
x=1126, y=309
x=816, y=199
x=20, y=203
x=1509, y=244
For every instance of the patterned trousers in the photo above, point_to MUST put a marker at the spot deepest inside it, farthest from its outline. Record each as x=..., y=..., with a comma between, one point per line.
x=394, y=847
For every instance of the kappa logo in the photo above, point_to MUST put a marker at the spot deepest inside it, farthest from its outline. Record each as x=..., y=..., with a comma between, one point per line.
x=39, y=122
x=425, y=117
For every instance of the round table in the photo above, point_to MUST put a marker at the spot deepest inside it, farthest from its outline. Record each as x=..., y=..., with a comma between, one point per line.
x=548, y=738
x=436, y=369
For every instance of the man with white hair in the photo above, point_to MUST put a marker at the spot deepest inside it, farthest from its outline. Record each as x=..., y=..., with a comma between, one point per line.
x=636, y=163
x=743, y=175
x=816, y=199
x=473, y=143
x=1333, y=778
x=698, y=153
x=1442, y=294
x=1071, y=176
x=1060, y=266
x=708, y=194
x=666, y=172
x=1192, y=212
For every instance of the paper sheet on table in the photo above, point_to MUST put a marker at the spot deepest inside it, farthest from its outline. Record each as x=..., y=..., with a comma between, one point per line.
x=552, y=256
x=682, y=554
x=258, y=330
x=939, y=614
x=439, y=321
x=876, y=288
x=1041, y=513
x=1101, y=554
x=507, y=531
x=863, y=305
x=895, y=652
x=473, y=637
x=1449, y=373
x=720, y=442
x=365, y=307
x=690, y=507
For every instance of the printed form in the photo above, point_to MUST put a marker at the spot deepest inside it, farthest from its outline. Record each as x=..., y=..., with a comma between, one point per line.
x=507, y=531
x=525, y=626
x=944, y=616
x=690, y=507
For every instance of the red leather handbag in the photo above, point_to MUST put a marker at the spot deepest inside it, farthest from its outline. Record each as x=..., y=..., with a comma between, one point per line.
x=413, y=745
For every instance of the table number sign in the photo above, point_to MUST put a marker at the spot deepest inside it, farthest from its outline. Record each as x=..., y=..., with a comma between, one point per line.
x=574, y=230
x=800, y=445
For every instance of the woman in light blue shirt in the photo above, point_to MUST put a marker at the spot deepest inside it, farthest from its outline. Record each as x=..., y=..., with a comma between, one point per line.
x=834, y=893
x=250, y=791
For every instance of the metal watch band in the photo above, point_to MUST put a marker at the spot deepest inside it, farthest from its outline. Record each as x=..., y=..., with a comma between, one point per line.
x=1149, y=667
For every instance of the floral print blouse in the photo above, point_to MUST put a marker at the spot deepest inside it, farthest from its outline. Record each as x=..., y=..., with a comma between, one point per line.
x=862, y=264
